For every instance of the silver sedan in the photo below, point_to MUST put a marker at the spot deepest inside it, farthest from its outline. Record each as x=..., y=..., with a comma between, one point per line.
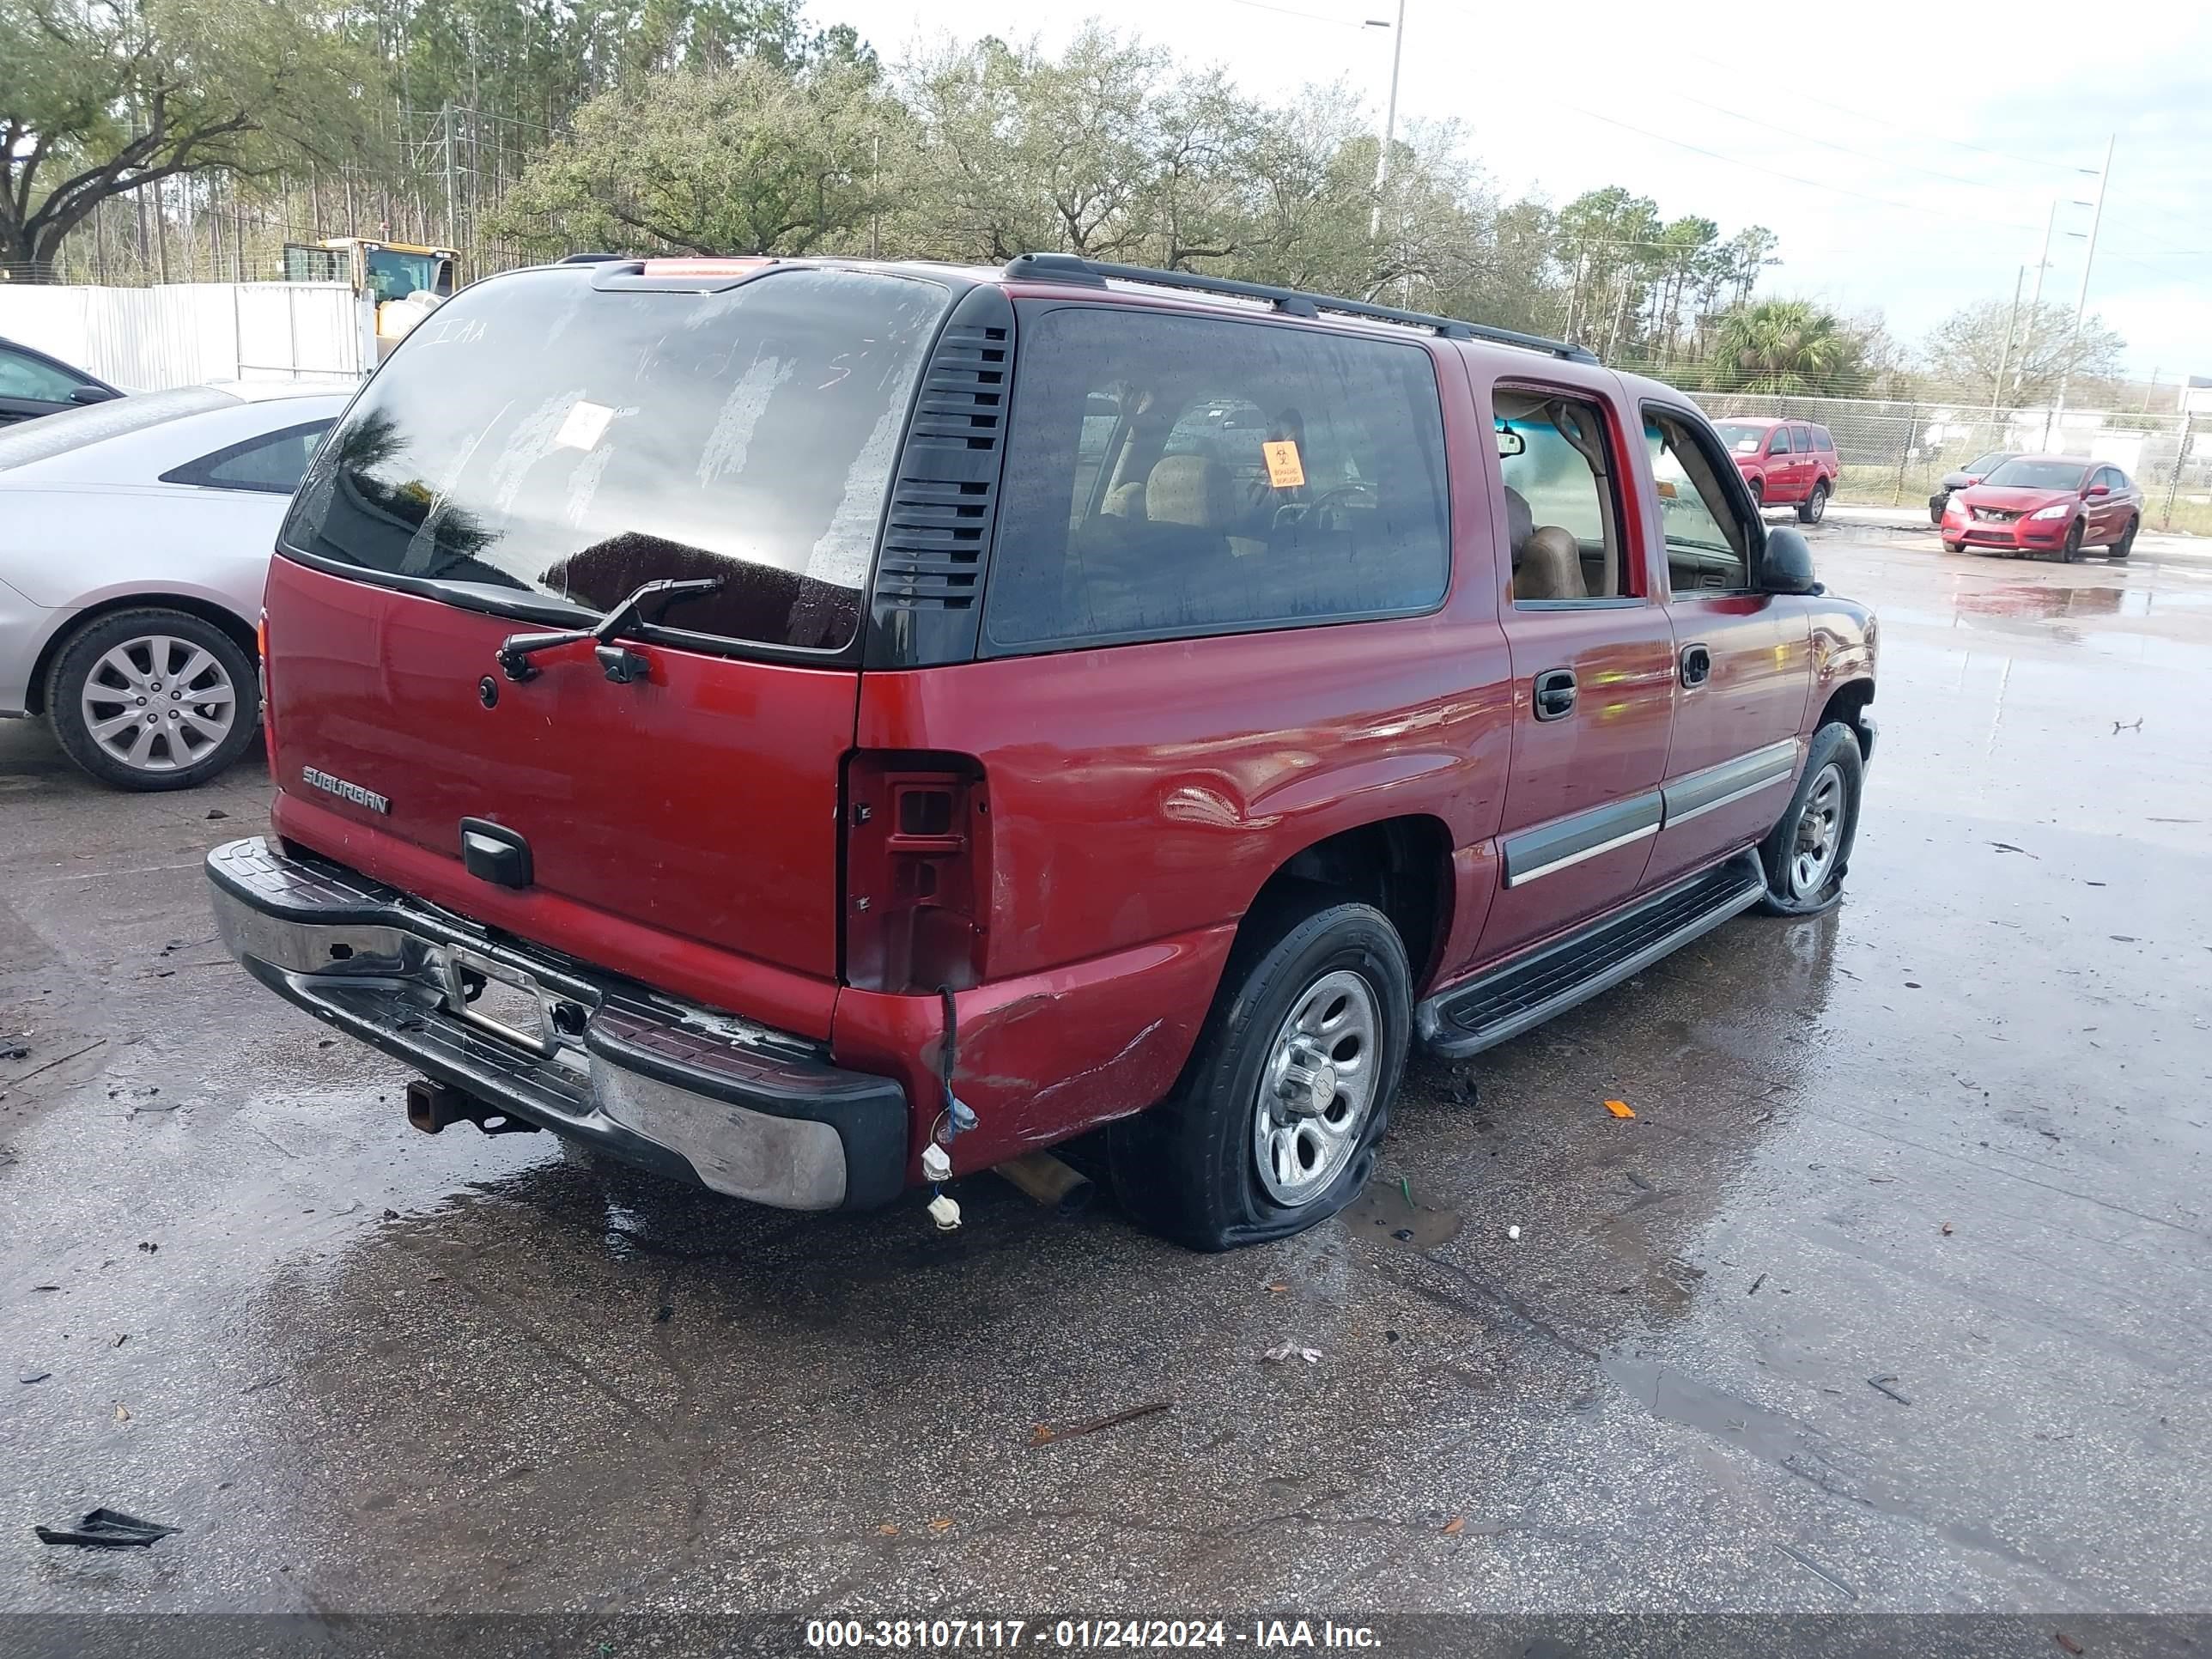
x=135, y=538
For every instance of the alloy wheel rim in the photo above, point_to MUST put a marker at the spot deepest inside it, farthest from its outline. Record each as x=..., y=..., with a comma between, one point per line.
x=1813, y=850
x=1317, y=1088
x=158, y=703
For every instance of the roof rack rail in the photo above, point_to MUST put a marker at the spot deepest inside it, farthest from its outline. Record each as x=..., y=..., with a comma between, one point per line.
x=1293, y=302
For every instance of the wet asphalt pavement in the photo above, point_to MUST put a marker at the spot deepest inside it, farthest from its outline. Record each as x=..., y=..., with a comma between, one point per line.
x=1893, y=1294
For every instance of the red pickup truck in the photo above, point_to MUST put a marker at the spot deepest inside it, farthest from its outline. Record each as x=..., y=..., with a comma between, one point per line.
x=1784, y=463
x=818, y=727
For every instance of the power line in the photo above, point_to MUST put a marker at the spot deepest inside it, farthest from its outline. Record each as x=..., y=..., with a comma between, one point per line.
x=1310, y=16
x=1869, y=115
x=1777, y=173
x=1830, y=143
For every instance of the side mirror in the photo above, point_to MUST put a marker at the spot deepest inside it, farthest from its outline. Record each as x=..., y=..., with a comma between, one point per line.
x=1787, y=567
x=2098, y=489
x=1511, y=443
x=94, y=394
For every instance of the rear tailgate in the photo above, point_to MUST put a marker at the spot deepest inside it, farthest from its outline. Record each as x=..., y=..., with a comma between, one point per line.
x=538, y=449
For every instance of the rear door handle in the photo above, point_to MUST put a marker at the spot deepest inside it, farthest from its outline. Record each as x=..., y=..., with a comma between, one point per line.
x=1697, y=664
x=1555, y=693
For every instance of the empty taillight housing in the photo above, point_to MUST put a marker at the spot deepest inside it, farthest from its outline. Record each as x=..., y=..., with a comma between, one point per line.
x=917, y=872
x=261, y=684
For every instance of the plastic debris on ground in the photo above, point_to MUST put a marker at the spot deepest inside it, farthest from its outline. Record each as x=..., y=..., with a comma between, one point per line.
x=1278, y=1355
x=105, y=1529
x=1619, y=1109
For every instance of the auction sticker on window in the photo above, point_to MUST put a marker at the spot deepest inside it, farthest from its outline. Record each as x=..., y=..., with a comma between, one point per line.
x=587, y=423
x=1284, y=470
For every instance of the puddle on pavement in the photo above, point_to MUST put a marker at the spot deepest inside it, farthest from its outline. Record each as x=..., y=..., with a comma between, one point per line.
x=1673, y=1397
x=2020, y=599
x=1383, y=1212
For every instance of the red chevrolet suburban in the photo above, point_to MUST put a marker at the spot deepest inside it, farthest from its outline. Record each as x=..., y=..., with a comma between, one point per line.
x=819, y=727
x=1785, y=462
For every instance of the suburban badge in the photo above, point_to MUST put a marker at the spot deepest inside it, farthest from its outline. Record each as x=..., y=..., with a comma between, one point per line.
x=344, y=791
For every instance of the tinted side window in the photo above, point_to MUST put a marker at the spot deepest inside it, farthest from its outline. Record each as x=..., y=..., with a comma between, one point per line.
x=1170, y=475
x=273, y=464
x=1780, y=446
x=22, y=376
x=1822, y=441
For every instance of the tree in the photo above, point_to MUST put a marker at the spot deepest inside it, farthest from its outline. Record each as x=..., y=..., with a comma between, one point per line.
x=1608, y=236
x=1020, y=152
x=103, y=98
x=750, y=158
x=1963, y=353
x=1784, y=346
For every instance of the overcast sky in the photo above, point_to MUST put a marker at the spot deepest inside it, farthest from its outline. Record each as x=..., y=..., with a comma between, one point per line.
x=1937, y=145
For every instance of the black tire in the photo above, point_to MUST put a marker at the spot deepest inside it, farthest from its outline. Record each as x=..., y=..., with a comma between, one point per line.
x=1810, y=509
x=1790, y=890
x=2126, y=545
x=1759, y=495
x=191, y=745
x=1954, y=547
x=2070, y=550
x=1189, y=1168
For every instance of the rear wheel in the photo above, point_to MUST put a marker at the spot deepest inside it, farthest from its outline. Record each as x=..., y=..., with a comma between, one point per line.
x=1759, y=494
x=1809, y=848
x=2071, y=548
x=1273, y=1125
x=152, y=699
x=1810, y=509
x=2126, y=545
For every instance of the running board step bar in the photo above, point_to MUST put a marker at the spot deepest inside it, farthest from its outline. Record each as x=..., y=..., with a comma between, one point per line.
x=1482, y=1012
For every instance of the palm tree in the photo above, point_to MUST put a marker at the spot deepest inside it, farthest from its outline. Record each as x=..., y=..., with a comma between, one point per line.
x=1781, y=346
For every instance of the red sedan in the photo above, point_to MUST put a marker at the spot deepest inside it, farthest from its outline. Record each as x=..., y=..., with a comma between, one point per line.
x=2046, y=504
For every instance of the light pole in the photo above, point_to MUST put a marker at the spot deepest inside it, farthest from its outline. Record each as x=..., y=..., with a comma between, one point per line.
x=1390, y=114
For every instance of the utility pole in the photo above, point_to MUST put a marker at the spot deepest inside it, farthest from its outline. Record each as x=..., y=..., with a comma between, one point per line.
x=2035, y=304
x=1390, y=115
x=1996, y=386
x=445, y=125
x=1575, y=299
x=2082, y=299
x=875, y=198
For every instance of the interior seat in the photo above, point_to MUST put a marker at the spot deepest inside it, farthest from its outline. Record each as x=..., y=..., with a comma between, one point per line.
x=1551, y=566
x=1200, y=493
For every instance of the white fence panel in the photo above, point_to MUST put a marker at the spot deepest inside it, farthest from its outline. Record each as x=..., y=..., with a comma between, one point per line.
x=189, y=333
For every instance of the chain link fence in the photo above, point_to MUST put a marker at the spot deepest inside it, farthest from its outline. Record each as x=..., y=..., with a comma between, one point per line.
x=1893, y=454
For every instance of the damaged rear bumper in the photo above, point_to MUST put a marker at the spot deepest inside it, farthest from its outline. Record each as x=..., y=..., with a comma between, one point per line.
x=701, y=1096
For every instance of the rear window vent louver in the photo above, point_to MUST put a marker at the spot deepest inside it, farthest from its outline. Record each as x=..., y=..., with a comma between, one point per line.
x=937, y=536
x=948, y=477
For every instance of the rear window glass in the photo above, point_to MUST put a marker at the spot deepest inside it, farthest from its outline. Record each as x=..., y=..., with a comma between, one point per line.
x=540, y=436
x=73, y=429
x=1183, y=475
x=2037, y=475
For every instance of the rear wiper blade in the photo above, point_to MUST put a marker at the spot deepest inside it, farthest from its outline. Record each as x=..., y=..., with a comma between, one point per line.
x=621, y=666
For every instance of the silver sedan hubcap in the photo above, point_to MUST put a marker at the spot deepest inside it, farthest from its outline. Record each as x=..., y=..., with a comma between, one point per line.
x=158, y=704
x=1814, y=853
x=1316, y=1089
